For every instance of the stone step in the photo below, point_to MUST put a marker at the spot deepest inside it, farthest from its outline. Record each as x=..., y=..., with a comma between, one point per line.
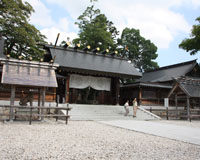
x=105, y=112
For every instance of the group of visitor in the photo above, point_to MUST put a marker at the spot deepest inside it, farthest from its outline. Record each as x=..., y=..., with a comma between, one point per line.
x=135, y=106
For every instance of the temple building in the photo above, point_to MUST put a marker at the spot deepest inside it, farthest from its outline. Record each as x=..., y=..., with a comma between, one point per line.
x=155, y=85
x=89, y=77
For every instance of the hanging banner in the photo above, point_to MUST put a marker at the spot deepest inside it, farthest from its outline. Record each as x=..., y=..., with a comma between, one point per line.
x=97, y=83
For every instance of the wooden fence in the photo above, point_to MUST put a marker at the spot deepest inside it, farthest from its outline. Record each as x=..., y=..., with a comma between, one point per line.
x=177, y=113
x=12, y=114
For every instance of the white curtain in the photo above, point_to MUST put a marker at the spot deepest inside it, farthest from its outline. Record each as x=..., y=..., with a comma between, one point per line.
x=81, y=82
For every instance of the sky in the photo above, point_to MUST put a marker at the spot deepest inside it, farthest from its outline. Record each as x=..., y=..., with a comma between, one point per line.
x=165, y=22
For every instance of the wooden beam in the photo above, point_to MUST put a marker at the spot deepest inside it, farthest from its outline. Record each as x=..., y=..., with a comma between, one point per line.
x=188, y=108
x=12, y=101
x=39, y=96
x=39, y=101
x=176, y=104
x=158, y=96
x=102, y=97
x=73, y=95
x=117, y=90
x=43, y=102
x=67, y=90
x=172, y=90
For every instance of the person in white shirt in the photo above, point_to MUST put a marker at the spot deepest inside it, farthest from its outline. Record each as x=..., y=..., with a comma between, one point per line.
x=126, y=105
x=135, y=107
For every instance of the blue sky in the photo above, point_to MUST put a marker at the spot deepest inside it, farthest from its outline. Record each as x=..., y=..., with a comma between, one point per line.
x=166, y=23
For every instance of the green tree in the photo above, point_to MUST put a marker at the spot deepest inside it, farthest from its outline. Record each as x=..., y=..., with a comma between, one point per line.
x=96, y=30
x=21, y=37
x=137, y=49
x=192, y=44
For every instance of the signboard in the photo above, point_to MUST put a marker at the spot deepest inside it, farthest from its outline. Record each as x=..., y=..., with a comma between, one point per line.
x=166, y=102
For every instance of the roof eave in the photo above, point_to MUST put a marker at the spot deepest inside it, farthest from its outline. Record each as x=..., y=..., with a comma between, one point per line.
x=100, y=73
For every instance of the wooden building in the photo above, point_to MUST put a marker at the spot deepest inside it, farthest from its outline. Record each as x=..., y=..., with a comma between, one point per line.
x=147, y=93
x=27, y=77
x=26, y=81
x=186, y=92
x=89, y=77
x=5, y=90
x=155, y=85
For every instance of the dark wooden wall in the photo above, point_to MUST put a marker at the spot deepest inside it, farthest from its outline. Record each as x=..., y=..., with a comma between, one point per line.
x=5, y=93
x=145, y=95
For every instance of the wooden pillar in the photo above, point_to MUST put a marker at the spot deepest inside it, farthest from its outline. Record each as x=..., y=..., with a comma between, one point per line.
x=140, y=96
x=159, y=95
x=102, y=98
x=117, y=91
x=67, y=90
x=39, y=100
x=54, y=94
x=188, y=108
x=12, y=101
x=43, y=102
x=39, y=96
x=74, y=95
x=176, y=104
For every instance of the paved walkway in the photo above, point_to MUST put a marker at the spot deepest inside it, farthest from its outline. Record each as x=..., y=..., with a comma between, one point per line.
x=157, y=128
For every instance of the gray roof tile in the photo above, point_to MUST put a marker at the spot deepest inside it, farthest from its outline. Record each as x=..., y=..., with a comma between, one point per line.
x=167, y=73
x=90, y=63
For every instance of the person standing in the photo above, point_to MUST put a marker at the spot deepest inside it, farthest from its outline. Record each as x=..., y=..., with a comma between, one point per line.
x=126, y=105
x=135, y=107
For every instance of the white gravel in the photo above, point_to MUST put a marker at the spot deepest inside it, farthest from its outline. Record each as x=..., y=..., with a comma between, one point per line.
x=87, y=140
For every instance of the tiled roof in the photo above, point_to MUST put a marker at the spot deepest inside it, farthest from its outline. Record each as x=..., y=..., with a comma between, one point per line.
x=167, y=73
x=90, y=63
x=27, y=73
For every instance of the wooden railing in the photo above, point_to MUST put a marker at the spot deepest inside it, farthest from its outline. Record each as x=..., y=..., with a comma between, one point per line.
x=179, y=113
x=12, y=114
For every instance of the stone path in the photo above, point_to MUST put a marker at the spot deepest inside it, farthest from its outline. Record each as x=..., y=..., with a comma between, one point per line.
x=172, y=131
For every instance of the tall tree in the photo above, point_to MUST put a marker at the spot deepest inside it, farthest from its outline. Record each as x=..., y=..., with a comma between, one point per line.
x=192, y=44
x=21, y=37
x=136, y=48
x=96, y=30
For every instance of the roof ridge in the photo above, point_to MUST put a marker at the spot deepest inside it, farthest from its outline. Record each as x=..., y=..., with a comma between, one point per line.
x=85, y=52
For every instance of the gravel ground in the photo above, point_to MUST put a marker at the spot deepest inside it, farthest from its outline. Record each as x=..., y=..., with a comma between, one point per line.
x=87, y=140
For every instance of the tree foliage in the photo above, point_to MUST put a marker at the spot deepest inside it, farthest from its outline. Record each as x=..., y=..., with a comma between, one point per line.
x=21, y=37
x=136, y=48
x=192, y=44
x=96, y=30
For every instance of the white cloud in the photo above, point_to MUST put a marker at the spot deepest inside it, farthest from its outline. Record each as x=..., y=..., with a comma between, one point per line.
x=63, y=24
x=155, y=19
x=51, y=34
x=195, y=4
x=73, y=7
x=42, y=15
